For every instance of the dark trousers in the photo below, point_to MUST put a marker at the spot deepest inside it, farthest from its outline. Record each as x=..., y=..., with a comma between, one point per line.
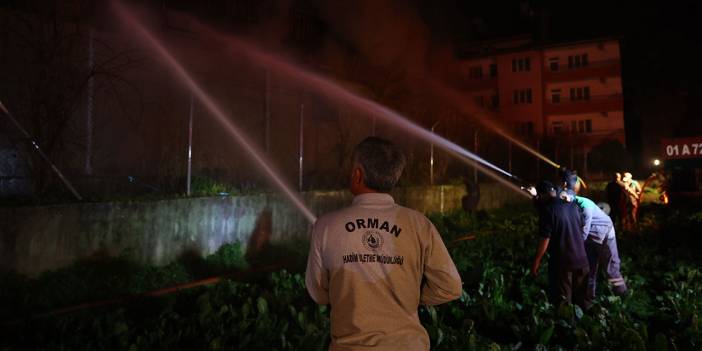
x=614, y=210
x=607, y=256
x=568, y=285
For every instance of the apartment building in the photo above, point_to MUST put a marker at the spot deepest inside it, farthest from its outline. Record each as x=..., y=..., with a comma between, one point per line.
x=567, y=91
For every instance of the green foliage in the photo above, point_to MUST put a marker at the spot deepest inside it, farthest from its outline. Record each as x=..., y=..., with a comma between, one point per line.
x=205, y=186
x=227, y=258
x=502, y=306
x=98, y=277
x=505, y=305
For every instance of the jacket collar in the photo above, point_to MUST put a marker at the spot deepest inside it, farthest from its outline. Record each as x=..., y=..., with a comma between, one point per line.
x=373, y=199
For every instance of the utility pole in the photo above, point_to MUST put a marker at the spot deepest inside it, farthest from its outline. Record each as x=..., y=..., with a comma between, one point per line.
x=509, y=156
x=538, y=160
x=89, y=107
x=301, y=150
x=190, y=145
x=431, y=157
x=267, y=113
x=556, y=153
x=475, y=151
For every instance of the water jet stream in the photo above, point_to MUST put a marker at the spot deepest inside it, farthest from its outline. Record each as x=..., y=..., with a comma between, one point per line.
x=327, y=88
x=142, y=34
x=482, y=117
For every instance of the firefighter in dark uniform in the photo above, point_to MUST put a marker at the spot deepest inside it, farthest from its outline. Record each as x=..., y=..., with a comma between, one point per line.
x=560, y=228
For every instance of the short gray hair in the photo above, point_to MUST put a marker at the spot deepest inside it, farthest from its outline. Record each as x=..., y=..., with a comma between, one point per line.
x=382, y=163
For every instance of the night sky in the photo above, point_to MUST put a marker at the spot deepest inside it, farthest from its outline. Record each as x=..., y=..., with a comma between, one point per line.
x=659, y=42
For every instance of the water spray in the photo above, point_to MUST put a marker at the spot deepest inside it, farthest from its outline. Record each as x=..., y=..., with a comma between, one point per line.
x=480, y=115
x=320, y=84
x=41, y=153
x=140, y=32
x=327, y=88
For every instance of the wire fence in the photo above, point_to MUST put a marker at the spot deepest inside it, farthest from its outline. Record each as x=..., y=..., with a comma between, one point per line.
x=134, y=130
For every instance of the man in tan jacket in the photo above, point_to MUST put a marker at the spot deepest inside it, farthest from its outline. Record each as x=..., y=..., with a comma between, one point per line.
x=375, y=262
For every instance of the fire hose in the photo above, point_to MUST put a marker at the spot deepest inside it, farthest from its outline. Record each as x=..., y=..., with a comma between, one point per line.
x=153, y=293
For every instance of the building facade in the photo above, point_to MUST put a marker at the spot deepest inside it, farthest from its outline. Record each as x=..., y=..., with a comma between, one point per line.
x=569, y=93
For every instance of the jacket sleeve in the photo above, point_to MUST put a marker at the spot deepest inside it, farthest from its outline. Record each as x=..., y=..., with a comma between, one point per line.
x=441, y=280
x=316, y=275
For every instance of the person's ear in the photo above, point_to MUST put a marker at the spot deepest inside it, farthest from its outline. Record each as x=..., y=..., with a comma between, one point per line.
x=357, y=176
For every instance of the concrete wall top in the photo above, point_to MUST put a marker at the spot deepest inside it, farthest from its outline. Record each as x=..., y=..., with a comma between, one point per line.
x=40, y=238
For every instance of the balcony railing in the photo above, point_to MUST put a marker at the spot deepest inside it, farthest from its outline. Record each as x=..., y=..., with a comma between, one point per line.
x=597, y=103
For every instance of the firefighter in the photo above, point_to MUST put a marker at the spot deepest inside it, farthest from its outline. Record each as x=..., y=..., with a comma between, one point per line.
x=599, y=237
x=631, y=191
x=375, y=262
x=560, y=228
x=600, y=245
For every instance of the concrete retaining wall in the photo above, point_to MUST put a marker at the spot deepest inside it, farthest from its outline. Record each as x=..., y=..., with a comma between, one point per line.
x=36, y=239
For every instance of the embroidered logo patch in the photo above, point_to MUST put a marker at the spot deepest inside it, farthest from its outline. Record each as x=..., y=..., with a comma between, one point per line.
x=372, y=240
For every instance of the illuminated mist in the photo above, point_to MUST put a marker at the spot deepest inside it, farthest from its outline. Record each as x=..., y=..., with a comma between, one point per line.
x=143, y=35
